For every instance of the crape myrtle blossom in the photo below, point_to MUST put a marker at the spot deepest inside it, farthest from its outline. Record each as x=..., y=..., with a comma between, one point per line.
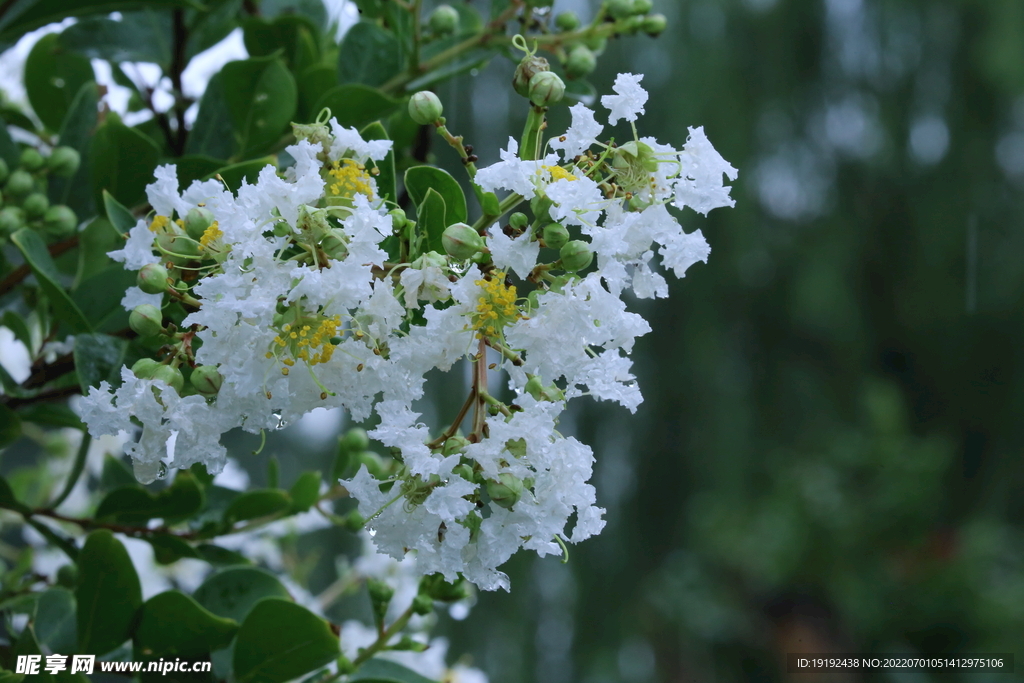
x=306, y=290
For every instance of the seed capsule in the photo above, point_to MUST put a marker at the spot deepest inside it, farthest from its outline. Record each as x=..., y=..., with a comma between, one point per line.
x=461, y=241
x=576, y=256
x=152, y=278
x=64, y=162
x=207, y=380
x=146, y=320
x=546, y=88
x=506, y=490
x=425, y=108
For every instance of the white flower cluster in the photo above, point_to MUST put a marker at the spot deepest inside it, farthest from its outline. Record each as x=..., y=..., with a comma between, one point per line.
x=292, y=297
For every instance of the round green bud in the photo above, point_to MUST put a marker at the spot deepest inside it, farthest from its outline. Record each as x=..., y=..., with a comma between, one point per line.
x=5, y=171
x=355, y=439
x=555, y=235
x=12, y=219
x=434, y=586
x=655, y=24
x=353, y=521
x=425, y=108
x=334, y=246
x=575, y=255
x=581, y=62
x=64, y=162
x=207, y=380
x=619, y=9
x=464, y=471
x=634, y=24
x=422, y=605
x=455, y=444
x=380, y=591
x=19, y=184
x=444, y=20
x=172, y=376
x=506, y=490
x=59, y=221
x=67, y=576
x=546, y=88
x=145, y=368
x=398, y=219
x=518, y=220
x=461, y=241
x=146, y=320
x=35, y=205
x=527, y=69
x=197, y=221
x=375, y=464
x=282, y=229
x=152, y=278
x=596, y=43
x=642, y=6
x=31, y=160
x=567, y=21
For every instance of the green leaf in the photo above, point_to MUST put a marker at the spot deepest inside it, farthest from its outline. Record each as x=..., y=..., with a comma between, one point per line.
x=108, y=594
x=171, y=624
x=289, y=34
x=313, y=82
x=53, y=77
x=143, y=36
x=7, y=499
x=474, y=59
x=119, y=216
x=305, y=491
x=249, y=171
x=385, y=671
x=489, y=203
x=8, y=150
x=123, y=161
x=98, y=358
x=168, y=549
x=431, y=222
x=232, y=592
x=29, y=14
x=209, y=26
x=279, y=641
x=50, y=415
x=194, y=167
x=99, y=299
x=136, y=505
x=10, y=426
x=94, y=242
x=356, y=105
x=261, y=97
x=33, y=248
x=115, y=473
x=258, y=503
x=55, y=620
x=55, y=539
x=212, y=134
x=369, y=55
x=386, y=180
x=214, y=554
x=419, y=179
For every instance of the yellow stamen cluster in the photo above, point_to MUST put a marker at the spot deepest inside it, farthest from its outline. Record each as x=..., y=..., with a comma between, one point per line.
x=350, y=178
x=496, y=307
x=558, y=173
x=159, y=223
x=307, y=343
x=211, y=235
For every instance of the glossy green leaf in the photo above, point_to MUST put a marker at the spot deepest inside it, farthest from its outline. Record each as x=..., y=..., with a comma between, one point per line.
x=386, y=178
x=172, y=624
x=168, y=549
x=99, y=358
x=279, y=641
x=10, y=426
x=249, y=171
x=99, y=298
x=216, y=555
x=431, y=222
x=194, y=167
x=385, y=671
x=50, y=415
x=115, y=474
x=76, y=131
x=135, y=505
x=213, y=135
x=108, y=594
x=53, y=77
x=473, y=59
x=16, y=324
x=369, y=55
x=261, y=97
x=123, y=161
x=258, y=503
x=33, y=248
x=313, y=82
x=94, y=242
x=25, y=15
x=55, y=620
x=356, y=105
x=232, y=592
x=419, y=179
x=312, y=10
x=289, y=34
x=119, y=216
x=210, y=25
x=143, y=36
x=305, y=491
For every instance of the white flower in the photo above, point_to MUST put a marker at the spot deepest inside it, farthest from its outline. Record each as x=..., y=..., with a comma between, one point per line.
x=700, y=185
x=133, y=296
x=519, y=254
x=138, y=250
x=581, y=134
x=349, y=140
x=515, y=174
x=684, y=251
x=629, y=98
x=577, y=200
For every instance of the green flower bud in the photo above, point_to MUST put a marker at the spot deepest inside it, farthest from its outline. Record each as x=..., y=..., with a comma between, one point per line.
x=152, y=278
x=518, y=220
x=464, y=471
x=146, y=320
x=576, y=255
x=375, y=464
x=546, y=88
x=282, y=229
x=444, y=20
x=380, y=595
x=422, y=605
x=12, y=219
x=5, y=171
x=436, y=588
x=506, y=490
x=197, y=220
x=596, y=43
x=425, y=108
x=59, y=221
x=550, y=393
x=398, y=219
x=619, y=9
x=207, y=380
x=567, y=21
x=19, y=184
x=67, y=576
x=461, y=241
x=355, y=440
x=31, y=160
x=527, y=69
x=64, y=162
x=171, y=376
x=35, y=205
x=581, y=62
x=555, y=235
x=634, y=24
x=655, y=24
x=455, y=444
x=353, y=521
x=145, y=368
x=334, y=246
x=642, y=6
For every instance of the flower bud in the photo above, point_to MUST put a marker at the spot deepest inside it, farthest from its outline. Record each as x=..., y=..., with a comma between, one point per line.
x=12, y=219
x=282, y=229
x=655, y=24
x=353, y=521
x=435, y=587
x=197, y=220
x=464, y=471
x=64, y=162
x=550, y=393
x=67, y=576
x=461, y=241
x=5, y=171
x=425, y=108
x=581, y=62
x=380, y=595
x=518, y=220
x=31, y=160
x=455, y=444
x=146, y=320
x=576, y=255
x=172, y=376
x=619, y=9
x=567, y=21
x=59, y=221
x=597, y=43
x=444, y=20
x=144, y=368
x=375, y=464
x=506, y=490
x=19, y=184
x=152, y=278
x=207, y=380
x=398, y=219
x=355, y=440
x=642, y=6
x=546, y=88
x=35, y=205
x=555, y=235
x=422, y=605
x=528, y=68
x=334, y=246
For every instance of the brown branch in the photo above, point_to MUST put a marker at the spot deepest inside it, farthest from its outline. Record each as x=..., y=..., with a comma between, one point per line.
x=178, y=63
x=14, y=402
x=15, y=277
